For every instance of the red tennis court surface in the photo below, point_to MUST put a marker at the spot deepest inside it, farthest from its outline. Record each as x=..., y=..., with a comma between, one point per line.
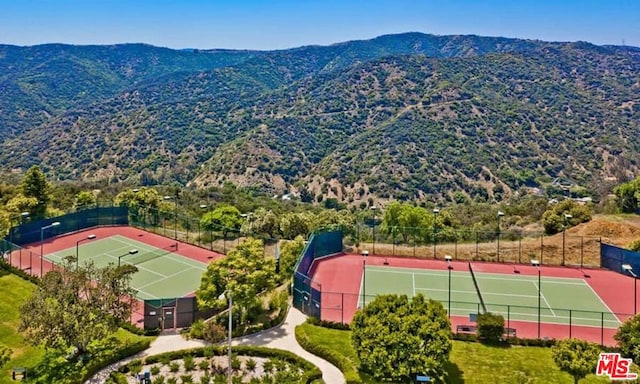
x=28, y=258
x=340, y=279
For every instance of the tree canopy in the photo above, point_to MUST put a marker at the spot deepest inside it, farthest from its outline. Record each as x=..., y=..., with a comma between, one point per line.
x=245, y=271
x=5, y=355
x=72, y=307
x=628, y=338
x=396, y=338
x=35, y=185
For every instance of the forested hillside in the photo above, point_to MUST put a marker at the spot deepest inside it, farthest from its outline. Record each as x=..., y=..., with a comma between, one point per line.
x=408, y=116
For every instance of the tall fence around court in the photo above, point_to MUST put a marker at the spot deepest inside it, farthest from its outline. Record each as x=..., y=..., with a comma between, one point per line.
x=598, y=327
x=178, y=312
x=509, y=246
x=614, y=258
x=188, y=229
x=306, y=292
x=35, y=231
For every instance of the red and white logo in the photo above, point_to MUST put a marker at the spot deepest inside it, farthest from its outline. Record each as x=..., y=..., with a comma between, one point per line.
x=614, y=366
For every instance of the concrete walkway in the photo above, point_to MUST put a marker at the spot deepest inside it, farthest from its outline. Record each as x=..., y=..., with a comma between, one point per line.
x=281, y=337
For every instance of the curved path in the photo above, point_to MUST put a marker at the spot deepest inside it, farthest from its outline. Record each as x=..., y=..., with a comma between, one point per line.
x=280, y=337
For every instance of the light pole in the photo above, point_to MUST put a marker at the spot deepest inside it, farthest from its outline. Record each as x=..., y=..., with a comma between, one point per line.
x=52, y=225
x=175, y=214
x=364, y=277
x=229, y=295
x=435, y=230
x=629, y=269
x=536, y=264
x=500, y=214
x=131, y=252
x=449, y=267
x=566, y=219
x=89, y=237
x=375, y=219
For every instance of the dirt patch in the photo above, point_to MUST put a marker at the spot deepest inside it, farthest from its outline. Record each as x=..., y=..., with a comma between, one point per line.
x=579, y=245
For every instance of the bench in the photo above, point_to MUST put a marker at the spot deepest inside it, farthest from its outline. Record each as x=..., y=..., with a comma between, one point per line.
x=472, y=329
x=466, y=329
x=19, y=373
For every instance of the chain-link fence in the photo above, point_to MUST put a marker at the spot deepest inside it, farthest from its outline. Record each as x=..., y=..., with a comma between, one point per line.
x=466, y=244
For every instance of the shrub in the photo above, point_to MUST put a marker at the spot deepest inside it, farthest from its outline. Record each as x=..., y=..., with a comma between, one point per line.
x=203, y=365
x=236, y=364
x=154, y=370
x=196, y=331
x=186, y=379
x=251, y=364
x=490, y=327
x=174, y=366
x=213, y=332
x=189, y=363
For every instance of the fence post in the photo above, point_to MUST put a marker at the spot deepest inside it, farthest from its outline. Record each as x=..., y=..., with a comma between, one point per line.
x=476, y=246
x=342, y=309
x=581, y=251
x=569, y=323
x=520, y=249
x=541, y=247
x=508, y=316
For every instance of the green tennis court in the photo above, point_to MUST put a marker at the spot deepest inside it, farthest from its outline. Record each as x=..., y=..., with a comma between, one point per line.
x=161, y=272
x=562, y=300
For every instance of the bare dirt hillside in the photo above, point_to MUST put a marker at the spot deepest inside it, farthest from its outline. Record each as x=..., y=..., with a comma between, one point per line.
x=579, y=245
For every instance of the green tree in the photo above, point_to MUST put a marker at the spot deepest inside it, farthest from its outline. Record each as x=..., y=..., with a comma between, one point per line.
x=628, y=195
x=84, y=199
x=35, y=185
x=261, y=221
x=554, y=219
x=225, y=218
x=396, y=338
x=5, y=355
x=245, y=271
x=72, y=307
x=143, y=203
x=295, y=224
x=576, y=357
x=628, y=338
x=289, y=252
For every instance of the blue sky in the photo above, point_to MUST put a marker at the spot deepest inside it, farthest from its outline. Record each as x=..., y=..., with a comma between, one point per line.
x=285, y=24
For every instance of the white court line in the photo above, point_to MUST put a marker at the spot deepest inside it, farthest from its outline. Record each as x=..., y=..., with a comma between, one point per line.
x=544, y=298
x=479, y=276
x=169, y=277
x=484, y=294
x=413, y=279
x=137, y=266
x=599, y=298
x=177, y=259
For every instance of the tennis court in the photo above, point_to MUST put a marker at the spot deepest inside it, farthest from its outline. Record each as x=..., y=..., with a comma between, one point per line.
x=161, y=272
x=517, y=297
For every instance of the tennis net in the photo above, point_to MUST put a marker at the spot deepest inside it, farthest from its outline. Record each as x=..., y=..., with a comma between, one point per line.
x=135, y=258
x=475, y=283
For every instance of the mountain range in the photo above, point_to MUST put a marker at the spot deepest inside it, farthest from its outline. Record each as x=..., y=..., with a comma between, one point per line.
x=408, y=116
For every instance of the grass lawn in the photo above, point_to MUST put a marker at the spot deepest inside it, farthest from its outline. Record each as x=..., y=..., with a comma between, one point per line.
x=14, y=291
x=471, y=363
